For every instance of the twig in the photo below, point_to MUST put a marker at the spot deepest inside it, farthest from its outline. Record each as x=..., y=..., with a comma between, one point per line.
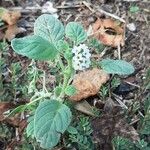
x=66, y=7
x=88, y=5
x=131, y=0
x=119, y=52
x=144, y=1
x=118, y=99
x=134, y=121
x=36, y=8
x=135, y=85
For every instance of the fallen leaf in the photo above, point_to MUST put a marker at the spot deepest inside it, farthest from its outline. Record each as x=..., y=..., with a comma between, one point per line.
x=12, y=31
x=109, y=32
x=88, y=83
x=11, y=17
x=5, y=106
x=84, y=107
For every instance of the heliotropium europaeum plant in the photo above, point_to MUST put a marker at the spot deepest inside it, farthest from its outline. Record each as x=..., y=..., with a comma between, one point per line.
x=66, y=46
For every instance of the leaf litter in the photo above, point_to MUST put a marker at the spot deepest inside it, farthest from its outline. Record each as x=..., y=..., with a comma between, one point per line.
x=11, y=18
x=88, y=83
x=109, y=32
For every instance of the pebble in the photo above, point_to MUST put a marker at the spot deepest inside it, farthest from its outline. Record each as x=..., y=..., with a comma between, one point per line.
x=131, y=27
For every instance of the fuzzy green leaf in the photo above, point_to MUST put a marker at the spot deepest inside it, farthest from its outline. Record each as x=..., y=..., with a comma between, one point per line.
x=34, y=47
x=75, y=32
x=30, y=127
x=119, y=67
x=51, y=120
x=70, y=90
x=58, y=90
x=49, y=28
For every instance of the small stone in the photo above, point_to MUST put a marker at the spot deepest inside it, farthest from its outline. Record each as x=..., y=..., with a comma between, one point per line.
x=131, y=27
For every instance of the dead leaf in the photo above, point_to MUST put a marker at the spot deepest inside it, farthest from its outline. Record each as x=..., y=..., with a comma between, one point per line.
x=17, y=140
x=84, y=107
x=88, y=83
x=5, y=106
x=109, y=32
x=12, y=31
x=11, y=17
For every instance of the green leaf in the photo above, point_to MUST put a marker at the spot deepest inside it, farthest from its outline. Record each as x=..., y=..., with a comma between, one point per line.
x=30, y=127
x=58, y=90
x=119, y=67
x=70, y=90
x=18, y=109
x=34, y=47
x=75, y=32
x=134, y=9
x=72, y=130
x=49, y=28
x=51, y=120
x=62, y=46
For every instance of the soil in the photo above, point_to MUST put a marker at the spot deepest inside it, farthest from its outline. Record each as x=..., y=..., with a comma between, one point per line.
x=136, y=51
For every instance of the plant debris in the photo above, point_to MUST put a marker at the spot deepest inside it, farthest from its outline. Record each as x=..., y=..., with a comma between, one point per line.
x=109, y=32
x=111, y=124
x=11, y=18
x=88, y=83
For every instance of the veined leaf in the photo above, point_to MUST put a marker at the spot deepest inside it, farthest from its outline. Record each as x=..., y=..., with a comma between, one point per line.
x=75, y=32
x=30, y=127
x=34, y=47
x=120, y=67
x=49, y=28
x=51, y=120
x=70, y=90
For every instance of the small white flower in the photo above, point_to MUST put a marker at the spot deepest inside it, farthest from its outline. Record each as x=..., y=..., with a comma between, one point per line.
x=75, y=50
x=86, y=54
x=81, y=58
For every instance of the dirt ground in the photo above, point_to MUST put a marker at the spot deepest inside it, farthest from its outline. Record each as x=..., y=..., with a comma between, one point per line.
x=136, y=51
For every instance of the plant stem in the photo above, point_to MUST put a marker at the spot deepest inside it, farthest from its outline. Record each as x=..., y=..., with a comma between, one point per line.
x=67, y=77
x=39, y=98
x=60, y=63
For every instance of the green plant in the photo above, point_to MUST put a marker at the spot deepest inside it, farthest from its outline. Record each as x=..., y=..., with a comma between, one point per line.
x=80, y=135
x=63, y=47
x=120, y=143
x=145, y=127
x=134, y=9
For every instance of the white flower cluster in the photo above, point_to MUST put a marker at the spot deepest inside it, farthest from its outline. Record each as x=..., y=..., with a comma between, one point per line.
x=81, y=58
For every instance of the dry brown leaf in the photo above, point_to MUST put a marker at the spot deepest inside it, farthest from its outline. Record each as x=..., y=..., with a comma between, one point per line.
x=5, y=106
x=12, y=31
x=11, y=17
x=88, y=83
x=108, y=32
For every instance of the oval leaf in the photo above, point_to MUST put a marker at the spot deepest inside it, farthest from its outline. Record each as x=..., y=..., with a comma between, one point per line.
x=34, y=47
x=70, y=90
x=75, y=32
x=49, y=28
x=51, y=120
x=120, y=67
x=30, y=127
